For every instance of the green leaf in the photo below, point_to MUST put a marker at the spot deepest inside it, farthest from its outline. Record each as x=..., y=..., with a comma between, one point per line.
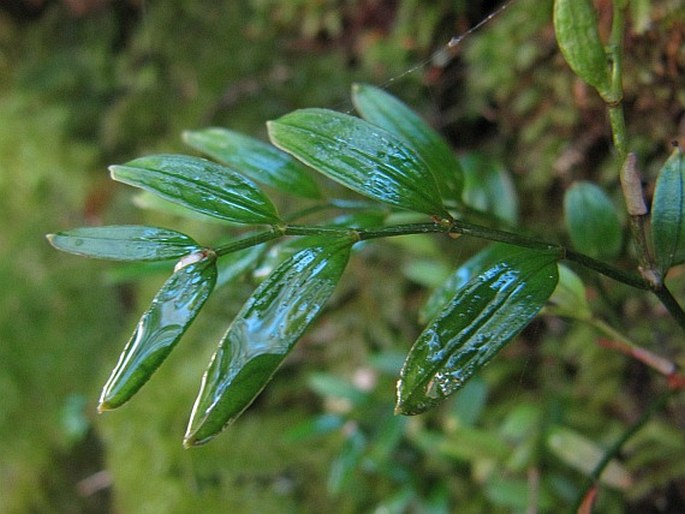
x=388, y=112
x=575, y=25
x=568, y=299
x=257, y=160
x=482, y=317
x=489, y=188
x=361, y=156
x=484, y=259
x=263, y=333
x=201, y=185
x=583, y=454
x=173, y=309
x=592, y=221
x=668, y=213
x=124, y=243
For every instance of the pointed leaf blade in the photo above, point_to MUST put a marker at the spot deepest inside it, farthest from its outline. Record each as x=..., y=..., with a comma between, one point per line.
x=575, y=25
x=255, y=159
x=173, y=309
x=484, y=259
x=592, y=221
x=487, y=313
x=124, y=243
x=360, y=156
x=668, y=213
x=388, y=112
x=263, y=333
x=201, y=185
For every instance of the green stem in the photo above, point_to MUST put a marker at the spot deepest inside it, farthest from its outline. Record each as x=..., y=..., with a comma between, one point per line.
x=316, y=230
x=671, y=304
x=614, y=99
x=616, y=447
x=618, y=130
x=252, y=240
x=462, y=228
x=607, y=270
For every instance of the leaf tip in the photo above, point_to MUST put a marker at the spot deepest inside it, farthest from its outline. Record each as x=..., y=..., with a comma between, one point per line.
x=114, y=171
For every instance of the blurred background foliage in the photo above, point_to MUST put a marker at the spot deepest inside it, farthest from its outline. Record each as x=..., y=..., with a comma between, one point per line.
x=87, y=83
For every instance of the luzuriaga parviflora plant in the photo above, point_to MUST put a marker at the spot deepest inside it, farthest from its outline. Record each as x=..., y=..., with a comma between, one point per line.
x=395, y=160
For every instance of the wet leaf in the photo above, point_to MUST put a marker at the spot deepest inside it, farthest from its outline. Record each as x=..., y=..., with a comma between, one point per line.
x=481, y=318
x=575, y=25
x=490, y=255
x=668, y=213
x=592, y=221
x=201, y=185
x=361, y=156
x=263, y=333
x=173, y=309
x=255, y=159
x=124, y=243
x=388, y=112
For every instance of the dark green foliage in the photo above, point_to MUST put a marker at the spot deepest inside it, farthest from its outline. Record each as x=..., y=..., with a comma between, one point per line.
x=523, y=433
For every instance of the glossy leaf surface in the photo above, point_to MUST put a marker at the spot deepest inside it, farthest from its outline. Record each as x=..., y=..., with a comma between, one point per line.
x=124, y=243
x=484, y=259
x=361, y=156
x=173, y=309
x=201, y=185
x=257, y=160
x=668, y=213
x=388, y=112
x=481, y=318
x=592, y=221
x=575, y=25
x=263, y=333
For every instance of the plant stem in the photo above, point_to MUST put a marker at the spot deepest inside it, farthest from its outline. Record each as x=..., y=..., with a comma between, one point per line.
x=616, y=447
x=671, y=304
x=316, y=230
x=240, y=244
x=621, y=343
x=607, y=270
x=463, y=228
x=614, y=100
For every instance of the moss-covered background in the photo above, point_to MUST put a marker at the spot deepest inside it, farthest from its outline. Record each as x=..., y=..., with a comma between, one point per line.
x=84, y=84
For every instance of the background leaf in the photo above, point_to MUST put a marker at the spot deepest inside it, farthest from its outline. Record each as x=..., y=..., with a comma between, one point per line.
x=388, y=112
x=583, y=454
x=257, y=160
x=575, y=25
x=483, y=316
x=668, y=213
x=160, y=328
x=592, y=221
x=568, y=299
x=124, y=242
x=201, y=185
x=488, y=187
x=361, y=156
x=263, y=333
